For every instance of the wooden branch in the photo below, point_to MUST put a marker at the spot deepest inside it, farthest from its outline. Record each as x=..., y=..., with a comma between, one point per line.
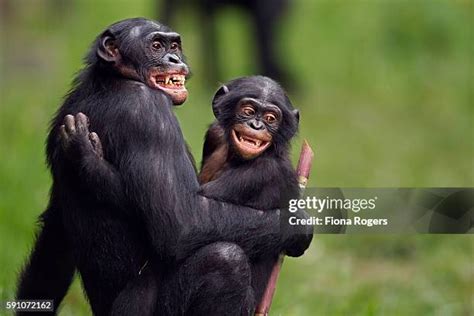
x=302, y=170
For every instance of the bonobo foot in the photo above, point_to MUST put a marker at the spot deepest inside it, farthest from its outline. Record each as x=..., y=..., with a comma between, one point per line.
x=76, y=138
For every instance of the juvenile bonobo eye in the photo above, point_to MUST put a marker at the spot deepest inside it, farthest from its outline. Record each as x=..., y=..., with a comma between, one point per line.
x=270, y=118
x=156, y=45
x=248, y=111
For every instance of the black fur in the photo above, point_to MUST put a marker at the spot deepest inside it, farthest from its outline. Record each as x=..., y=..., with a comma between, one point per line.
x=136, y=208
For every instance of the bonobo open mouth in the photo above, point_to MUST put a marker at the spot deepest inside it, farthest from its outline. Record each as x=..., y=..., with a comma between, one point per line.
x=173, y=84
x=249, y=142
x=171, y=81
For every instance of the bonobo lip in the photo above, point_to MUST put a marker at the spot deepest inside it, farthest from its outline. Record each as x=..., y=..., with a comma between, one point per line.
x=249, y=142
x=171, y=83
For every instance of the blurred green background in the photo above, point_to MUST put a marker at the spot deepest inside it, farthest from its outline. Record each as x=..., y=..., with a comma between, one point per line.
x=385, y=91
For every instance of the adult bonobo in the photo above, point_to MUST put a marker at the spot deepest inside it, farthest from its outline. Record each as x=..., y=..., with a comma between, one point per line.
x=245, y=162
x=128, y=204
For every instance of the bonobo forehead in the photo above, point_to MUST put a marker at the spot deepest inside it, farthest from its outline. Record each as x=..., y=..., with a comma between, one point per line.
x=137, y=27
x=261, y=88
x=170, y=36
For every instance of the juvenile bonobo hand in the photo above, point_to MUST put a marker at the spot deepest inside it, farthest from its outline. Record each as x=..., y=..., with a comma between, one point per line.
x=298, y=237
x=76, y=139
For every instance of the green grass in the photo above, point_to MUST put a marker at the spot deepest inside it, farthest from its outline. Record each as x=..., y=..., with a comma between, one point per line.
x=385, y=94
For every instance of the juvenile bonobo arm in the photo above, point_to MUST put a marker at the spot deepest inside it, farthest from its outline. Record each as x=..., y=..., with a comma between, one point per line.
x=299, y=237
x=84, y=150
x=214, y=154
x=272, y=189
x=251, y=187
x=259, y=233
x=214, y=139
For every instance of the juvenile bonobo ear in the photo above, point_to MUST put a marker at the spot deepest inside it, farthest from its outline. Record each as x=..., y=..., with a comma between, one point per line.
x=108, y=49
x=219, y=93
x=296, y=113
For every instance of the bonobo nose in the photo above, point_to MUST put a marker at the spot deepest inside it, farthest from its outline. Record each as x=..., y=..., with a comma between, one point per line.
x=256, y=125
x=172, y=58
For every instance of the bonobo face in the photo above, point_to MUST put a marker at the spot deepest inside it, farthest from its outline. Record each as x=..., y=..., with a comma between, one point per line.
x=256, y=115
x=168, y=71
x=256, y=123
x=149, y=52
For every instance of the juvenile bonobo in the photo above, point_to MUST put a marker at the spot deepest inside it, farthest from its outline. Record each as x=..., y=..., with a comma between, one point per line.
x=127, y=204
x=245, y=156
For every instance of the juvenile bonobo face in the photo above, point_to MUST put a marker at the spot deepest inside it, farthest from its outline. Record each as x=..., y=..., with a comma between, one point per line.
x=256, y=115
x=256, y=123
x=149, y=52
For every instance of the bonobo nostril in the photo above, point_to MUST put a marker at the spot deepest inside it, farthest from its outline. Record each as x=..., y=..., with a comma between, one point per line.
x=256, y=125
x=172, y=58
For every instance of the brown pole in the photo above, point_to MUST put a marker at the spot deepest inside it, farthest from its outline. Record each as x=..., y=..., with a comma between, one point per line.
x=302, y=170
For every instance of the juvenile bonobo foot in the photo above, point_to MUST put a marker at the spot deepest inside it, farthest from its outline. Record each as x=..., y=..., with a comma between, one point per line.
x=76, y=138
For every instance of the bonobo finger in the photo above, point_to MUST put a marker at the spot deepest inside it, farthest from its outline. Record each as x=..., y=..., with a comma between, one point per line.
x=69, y=123
x=82, y=123
x=96, y=144
x=64, y=136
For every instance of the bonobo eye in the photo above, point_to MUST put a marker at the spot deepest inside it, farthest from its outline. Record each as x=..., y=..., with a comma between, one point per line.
x=156, y=45
x=248, y=111
x=270, y=118
x=174, y=45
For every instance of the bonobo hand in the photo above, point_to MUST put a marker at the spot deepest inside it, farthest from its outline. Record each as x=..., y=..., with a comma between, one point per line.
x=76, y=139
x=297, y=237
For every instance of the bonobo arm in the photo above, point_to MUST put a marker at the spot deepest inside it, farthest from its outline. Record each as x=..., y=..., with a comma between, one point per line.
x=259, y=233
x=84, y=151
x=214, y=139
x=273, y=183
x=262, y=185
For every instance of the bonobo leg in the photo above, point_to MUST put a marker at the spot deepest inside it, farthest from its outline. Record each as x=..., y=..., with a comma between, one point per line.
x=50, y=268
x=139, y=296
x=216, y=280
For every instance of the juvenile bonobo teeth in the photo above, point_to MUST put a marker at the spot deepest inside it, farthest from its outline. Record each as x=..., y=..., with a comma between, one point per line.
x=250, y=141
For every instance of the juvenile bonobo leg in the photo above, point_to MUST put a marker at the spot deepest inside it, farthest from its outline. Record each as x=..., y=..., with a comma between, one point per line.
x=216, y=280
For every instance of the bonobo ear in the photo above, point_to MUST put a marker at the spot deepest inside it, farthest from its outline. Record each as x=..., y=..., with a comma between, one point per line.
x=108, y=49
x=296, y=113
x=219, y=93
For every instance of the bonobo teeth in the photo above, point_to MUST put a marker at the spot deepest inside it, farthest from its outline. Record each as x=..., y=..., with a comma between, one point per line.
x=174, y=80
x=250, y=141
